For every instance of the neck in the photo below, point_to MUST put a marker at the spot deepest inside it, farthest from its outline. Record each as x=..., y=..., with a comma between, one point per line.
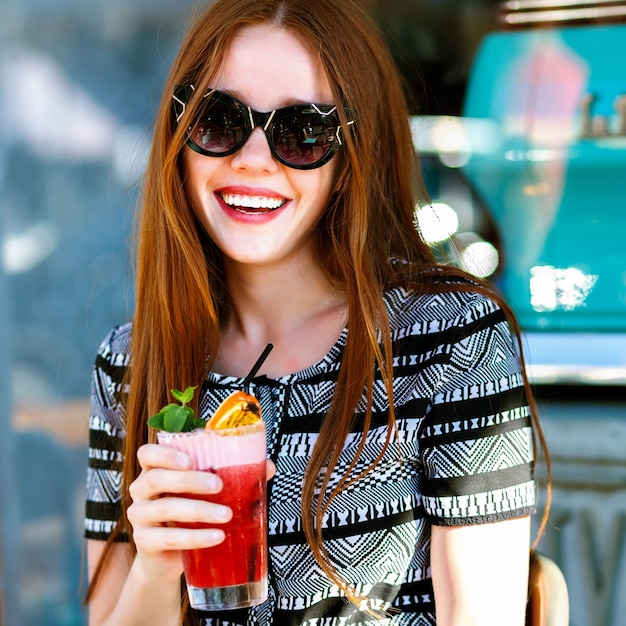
x=273, y=299
x=295, y=307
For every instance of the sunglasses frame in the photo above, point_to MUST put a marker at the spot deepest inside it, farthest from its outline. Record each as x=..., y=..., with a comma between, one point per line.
x=253, y=119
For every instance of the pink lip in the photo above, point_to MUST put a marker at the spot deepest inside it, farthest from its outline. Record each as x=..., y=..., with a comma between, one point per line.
x=244, y=190
x=250, y=215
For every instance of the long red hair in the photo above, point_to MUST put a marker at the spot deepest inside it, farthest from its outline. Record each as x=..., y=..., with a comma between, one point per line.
x=181, y=298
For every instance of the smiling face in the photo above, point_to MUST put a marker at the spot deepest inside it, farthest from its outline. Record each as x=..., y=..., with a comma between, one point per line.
x=256, y=210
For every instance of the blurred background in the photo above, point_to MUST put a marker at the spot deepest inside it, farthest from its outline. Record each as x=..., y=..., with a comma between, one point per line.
x=519, y=115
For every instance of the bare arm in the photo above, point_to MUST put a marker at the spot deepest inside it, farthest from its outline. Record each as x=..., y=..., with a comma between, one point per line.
x=125, y=595
x=480, y=573
x=145, y=588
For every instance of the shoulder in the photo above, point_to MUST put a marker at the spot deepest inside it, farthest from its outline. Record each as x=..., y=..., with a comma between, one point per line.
x=447, y=306
x=116, y=342
x=114, y=351
x=107, y=383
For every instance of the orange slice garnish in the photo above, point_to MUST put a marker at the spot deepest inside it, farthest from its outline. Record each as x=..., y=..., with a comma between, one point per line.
x=239, y=409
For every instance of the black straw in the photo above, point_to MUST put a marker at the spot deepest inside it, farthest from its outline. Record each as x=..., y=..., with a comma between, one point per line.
x=257, y=366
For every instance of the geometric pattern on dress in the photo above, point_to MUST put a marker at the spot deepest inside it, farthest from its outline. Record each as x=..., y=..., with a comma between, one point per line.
x=475, y=456
x=462, y=453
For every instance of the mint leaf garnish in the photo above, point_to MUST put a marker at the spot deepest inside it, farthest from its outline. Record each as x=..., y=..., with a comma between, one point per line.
x=177, y=418
x=184, y=396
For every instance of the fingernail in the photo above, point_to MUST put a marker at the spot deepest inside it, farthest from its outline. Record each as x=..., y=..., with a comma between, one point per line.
x=212, y=482
x=182, y=461
x=223, y=512
x=215, y=534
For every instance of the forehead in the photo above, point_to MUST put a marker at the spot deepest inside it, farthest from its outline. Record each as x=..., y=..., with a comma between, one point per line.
x=268, y=67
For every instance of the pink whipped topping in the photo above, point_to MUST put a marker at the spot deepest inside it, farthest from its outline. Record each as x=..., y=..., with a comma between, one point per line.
x=212, y=449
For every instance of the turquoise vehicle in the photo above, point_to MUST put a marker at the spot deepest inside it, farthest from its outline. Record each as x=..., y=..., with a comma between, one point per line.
x=542, y=143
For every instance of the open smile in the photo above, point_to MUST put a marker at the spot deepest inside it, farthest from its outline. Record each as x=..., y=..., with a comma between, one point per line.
x=244, y=203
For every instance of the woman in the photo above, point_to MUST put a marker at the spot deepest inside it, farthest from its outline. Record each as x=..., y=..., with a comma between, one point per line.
x=397, y=411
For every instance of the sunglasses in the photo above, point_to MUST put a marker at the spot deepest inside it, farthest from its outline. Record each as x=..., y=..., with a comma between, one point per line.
x=303, y=137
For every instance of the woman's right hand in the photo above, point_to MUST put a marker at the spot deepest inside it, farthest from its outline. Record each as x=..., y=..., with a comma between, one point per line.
x=146, y=585
x=159, y=501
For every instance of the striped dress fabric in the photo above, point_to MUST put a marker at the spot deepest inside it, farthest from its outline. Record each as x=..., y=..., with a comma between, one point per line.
x=462, y=454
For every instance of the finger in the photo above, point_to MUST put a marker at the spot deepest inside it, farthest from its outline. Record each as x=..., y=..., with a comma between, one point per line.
x=158, y=539
x=153, y=455
x=270, y=470
x=180, y=511
x=156, y=482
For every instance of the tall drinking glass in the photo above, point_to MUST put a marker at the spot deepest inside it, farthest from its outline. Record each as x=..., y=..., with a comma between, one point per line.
x=232, y=574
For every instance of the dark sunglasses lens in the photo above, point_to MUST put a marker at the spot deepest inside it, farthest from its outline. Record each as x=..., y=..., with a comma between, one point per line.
x=304, y=138
x=220, y=129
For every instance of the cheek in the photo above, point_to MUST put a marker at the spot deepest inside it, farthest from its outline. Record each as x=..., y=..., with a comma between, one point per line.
x=190, y=176
x=198, y=171
x=193, y=188
x=320, y=185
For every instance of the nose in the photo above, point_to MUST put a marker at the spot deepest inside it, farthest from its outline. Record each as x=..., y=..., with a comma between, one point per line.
x=255, y=154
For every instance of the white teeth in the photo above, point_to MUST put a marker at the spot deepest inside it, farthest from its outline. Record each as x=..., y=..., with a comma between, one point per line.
x=238, y=201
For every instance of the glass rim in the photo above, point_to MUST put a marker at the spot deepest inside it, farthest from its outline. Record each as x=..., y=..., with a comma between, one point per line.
x=237, y=431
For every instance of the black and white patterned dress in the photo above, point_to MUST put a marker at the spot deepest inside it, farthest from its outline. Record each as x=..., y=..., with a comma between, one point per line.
x=462, y=454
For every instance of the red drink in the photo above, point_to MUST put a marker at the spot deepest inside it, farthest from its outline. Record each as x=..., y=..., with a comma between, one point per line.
x=232, y=574
x=242, y=557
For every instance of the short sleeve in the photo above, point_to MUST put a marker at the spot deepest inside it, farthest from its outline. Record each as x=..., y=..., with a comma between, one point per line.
x=106, y=436
x=477, y=443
